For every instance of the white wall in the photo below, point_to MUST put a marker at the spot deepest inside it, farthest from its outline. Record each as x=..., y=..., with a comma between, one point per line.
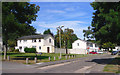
x=82, y=44
x=77, y=51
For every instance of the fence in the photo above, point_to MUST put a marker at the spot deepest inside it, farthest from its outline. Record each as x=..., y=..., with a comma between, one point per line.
x=62, y=50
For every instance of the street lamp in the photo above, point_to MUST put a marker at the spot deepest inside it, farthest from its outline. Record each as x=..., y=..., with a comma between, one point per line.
x=60, y=28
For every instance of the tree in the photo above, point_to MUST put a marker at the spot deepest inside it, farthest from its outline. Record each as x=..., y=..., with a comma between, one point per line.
x=16, y=20
x=67, y=38
x=88, y=33
x=105, y=22
x=108, y=45
x=48, y=32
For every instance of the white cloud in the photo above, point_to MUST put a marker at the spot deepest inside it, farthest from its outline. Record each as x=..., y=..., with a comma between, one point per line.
x=70, y=9
x=77, y=26
x=55, y=11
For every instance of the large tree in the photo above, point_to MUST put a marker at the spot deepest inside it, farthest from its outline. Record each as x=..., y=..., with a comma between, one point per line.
x=16, y=20
x=67, y=38
x=106, y=22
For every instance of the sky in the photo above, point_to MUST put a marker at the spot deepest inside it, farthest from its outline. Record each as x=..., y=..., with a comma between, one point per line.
x=73, y=15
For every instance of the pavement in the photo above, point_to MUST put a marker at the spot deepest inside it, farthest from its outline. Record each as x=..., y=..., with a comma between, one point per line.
x=91, y=64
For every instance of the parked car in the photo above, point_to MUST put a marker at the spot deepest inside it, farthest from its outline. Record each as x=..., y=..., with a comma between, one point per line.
x=93, y=52
x=100, y=52
x=114, y=52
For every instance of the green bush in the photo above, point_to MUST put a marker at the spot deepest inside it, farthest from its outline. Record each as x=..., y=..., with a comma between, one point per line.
x=110, y=50
x=30, y=50
x=16, y=50
x=11, y=49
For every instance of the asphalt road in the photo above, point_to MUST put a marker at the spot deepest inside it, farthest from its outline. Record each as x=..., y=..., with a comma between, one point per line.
x=92, y=64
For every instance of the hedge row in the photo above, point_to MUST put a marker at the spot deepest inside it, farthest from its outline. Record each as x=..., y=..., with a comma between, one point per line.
x=30, y=50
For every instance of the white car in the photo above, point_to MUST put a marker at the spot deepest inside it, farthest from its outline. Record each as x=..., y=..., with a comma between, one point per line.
x=100, y=52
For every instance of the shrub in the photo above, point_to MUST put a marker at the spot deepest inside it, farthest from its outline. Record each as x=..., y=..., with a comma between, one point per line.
x=110, y=50
x=16, y=50
x=12, y=49
x=30, y=50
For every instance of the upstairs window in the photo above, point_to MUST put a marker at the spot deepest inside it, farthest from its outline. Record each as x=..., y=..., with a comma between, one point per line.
x=49, y=40
x=20, y=41
x=34, y=40
x=39, y=40
x=25, y=40
x=77, y=44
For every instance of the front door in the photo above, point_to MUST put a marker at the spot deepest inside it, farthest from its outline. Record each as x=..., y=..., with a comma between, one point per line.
x=48, y=49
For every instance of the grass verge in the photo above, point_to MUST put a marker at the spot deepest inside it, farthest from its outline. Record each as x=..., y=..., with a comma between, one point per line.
x=114, y=66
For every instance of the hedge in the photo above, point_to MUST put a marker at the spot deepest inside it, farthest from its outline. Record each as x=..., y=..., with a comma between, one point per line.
x=30, y=50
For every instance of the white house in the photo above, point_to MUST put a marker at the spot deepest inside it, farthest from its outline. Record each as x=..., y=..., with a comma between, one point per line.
x=83, y=47
x=42, y=43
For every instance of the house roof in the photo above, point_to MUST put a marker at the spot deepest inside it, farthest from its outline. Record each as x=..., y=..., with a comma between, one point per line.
x=34, y=36
x=86, y=41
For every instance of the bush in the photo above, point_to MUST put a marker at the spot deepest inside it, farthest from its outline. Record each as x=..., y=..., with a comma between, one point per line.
x=12, y=49
x=110, y=50
x=16, y=50
x=30, y=50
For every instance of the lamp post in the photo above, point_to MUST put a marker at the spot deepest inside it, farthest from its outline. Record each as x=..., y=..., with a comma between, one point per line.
x=60, y=28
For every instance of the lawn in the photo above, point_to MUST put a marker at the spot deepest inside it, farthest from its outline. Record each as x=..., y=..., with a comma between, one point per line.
x=114, y=66
x=21, y=57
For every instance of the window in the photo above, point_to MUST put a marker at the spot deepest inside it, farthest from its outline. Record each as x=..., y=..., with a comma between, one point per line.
x=20, y=47
x=25, y=40
x=33, y=46
x=78, y=44
x=49, y=40
x=34, y=40
x=91, y=45
x=39, y=40
x=20, y=41
x=95, y=45
x=40, y=47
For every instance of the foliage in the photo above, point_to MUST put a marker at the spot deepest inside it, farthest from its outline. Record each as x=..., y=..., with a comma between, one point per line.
x=105, y=23
x=11, y=43
x=87, y=33
x=67, y=38
x=30, y=50
x=16, y=20
x=48, y=32
x=108, y=45
x=16, y=50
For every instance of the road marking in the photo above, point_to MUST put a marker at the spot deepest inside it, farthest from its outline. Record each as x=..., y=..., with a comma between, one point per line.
x=52, y=66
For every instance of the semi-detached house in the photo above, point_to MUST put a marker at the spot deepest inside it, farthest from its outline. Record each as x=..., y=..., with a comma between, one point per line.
x=42, y=43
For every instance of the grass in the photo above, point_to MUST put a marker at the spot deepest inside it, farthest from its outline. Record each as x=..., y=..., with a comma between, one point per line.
x=21, y=57
x=114, y=66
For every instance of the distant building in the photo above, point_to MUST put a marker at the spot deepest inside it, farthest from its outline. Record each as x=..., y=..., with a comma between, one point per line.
x=116, y=48
x=83, y=47
x=42, y=43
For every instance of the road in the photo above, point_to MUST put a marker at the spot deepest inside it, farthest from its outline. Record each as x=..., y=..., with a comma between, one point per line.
x=92, y=64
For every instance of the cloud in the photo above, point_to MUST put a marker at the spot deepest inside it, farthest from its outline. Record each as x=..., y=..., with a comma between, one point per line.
x=70, y=9
x=55, y=11
x=77, y=26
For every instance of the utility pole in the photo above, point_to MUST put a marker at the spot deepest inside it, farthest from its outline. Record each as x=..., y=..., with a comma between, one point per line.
x=60, y=28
